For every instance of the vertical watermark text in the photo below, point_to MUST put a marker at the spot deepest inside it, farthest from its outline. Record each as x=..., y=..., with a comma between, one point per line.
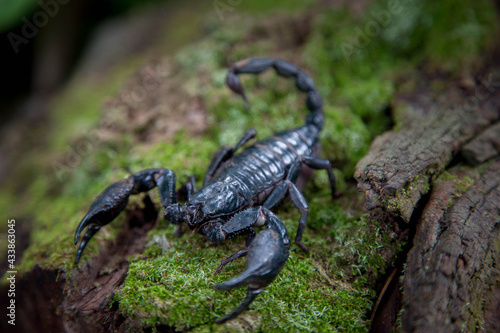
x=11, y=273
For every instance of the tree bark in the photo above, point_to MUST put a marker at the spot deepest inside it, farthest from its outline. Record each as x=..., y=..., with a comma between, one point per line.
x=451, y=280
x=433, y=128
x=419, y=173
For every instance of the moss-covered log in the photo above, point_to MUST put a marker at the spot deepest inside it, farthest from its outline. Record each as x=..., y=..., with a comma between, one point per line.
x=173, y=110
x=417, y=172
x=432, y=127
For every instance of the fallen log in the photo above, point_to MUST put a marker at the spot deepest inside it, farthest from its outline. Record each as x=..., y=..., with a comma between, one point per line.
x=418, y=172
x=431, y=128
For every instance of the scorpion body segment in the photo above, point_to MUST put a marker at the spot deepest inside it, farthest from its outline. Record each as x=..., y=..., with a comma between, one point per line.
x=239, y=190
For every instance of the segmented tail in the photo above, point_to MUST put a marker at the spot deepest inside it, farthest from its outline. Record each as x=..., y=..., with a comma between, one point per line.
x=303, y=82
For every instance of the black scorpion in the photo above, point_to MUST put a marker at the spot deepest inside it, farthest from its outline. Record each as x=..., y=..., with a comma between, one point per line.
x=238, y=191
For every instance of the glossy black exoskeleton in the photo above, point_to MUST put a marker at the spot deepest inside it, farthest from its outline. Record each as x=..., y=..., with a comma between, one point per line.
x=239, y=190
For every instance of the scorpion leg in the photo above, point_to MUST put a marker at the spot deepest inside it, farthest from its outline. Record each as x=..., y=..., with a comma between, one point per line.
x=266, y=255
x=109, y=204
x=285, y=187
x=184, y=193
x=225, y=153
x=191, y=186
x=239, y=254
x=318, y=163
x=234, y=256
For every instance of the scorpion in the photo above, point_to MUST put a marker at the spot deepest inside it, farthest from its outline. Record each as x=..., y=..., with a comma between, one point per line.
x=239, y=190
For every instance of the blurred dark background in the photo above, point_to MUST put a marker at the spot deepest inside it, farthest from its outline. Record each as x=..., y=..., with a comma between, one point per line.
x=42, y=42
x=45, y=43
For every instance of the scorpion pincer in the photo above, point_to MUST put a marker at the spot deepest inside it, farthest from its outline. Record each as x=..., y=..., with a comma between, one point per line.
x=239, y=190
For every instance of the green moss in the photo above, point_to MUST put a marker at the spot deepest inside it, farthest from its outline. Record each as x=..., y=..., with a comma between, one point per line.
x=425, y=32
x=169, y=286
x=406, y=198
x=464, y=184
x=461, y=178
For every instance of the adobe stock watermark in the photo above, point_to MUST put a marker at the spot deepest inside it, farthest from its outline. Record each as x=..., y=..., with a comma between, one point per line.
x=74, y=155
x=381, y=19
x=11, y=273
x=48, y=9
x=223, y=6
x=481, y=93
x=152, y=77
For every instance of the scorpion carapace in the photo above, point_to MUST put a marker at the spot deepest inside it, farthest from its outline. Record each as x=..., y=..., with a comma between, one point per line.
x=239, y=190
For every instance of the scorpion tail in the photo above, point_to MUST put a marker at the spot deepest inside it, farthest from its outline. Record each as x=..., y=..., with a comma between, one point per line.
x=303, y=82
x=267, y=254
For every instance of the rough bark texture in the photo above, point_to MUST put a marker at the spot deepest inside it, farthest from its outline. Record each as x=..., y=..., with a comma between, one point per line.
x=452, y=263
x=417, y=172
x=398, y=169
x=484, y=147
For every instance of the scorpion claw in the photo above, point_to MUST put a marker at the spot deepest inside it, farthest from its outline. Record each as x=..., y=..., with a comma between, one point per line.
x=88, y=235
x=251, y=294
x=102, y=211
x=266, y=257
